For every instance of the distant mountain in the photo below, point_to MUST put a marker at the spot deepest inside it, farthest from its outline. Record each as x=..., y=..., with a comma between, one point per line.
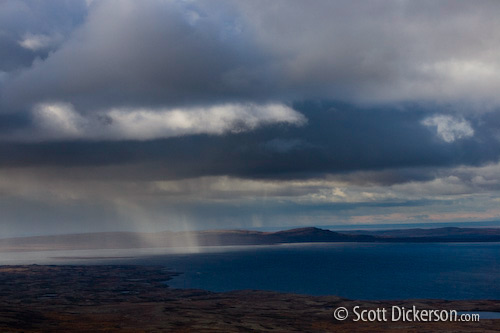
x=311, y=234
x=449, y=234
x=115, y=240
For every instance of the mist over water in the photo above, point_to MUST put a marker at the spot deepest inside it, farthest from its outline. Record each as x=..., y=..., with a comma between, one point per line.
x=357, y=271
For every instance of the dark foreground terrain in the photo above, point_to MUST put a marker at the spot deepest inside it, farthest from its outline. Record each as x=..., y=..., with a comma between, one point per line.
x=137, y=299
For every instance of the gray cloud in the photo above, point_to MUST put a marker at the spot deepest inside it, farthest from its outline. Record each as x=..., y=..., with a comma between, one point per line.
x=168, y=53
x=134, y=54
x=337, y=138
x=390, y=51
x=188, y=113
x=31, y=29
x=60, y=121
x=41, y=196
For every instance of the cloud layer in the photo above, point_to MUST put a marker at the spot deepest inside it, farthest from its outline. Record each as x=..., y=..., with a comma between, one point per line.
x=169, y=52
x=247, y=113
x=60, y=121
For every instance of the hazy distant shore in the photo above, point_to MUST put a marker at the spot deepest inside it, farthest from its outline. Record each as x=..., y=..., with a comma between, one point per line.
x=124, y=240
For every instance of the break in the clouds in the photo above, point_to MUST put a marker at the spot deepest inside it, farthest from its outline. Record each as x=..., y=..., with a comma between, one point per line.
x=119, y=114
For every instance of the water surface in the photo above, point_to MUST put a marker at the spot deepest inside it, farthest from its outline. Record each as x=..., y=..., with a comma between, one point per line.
x=351, y=270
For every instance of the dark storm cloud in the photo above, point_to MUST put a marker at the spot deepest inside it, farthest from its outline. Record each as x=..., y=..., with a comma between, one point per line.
x=10, y=122
x=338, y=138
x=185, y=114
x=131, y=53
x=31, y=29
x=166, y=53
x=12, y=55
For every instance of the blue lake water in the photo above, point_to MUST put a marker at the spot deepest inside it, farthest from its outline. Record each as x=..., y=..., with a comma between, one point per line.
x=351, y=270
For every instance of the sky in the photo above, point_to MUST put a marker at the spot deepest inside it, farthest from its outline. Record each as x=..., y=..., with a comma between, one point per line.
x=179, y=115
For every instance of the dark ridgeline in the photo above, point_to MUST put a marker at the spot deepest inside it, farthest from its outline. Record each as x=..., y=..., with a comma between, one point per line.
x=115, y=240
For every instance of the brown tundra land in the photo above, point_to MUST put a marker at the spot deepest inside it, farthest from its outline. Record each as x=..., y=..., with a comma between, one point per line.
x=136, y=299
